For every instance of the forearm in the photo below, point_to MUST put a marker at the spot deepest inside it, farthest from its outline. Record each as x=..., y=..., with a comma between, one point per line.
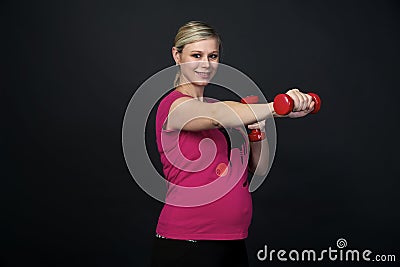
x=259, y=157
x=231, y=114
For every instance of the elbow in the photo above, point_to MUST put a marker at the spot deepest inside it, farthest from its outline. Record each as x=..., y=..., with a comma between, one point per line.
x=261, y=173
x=258, y=171
x=216, y=116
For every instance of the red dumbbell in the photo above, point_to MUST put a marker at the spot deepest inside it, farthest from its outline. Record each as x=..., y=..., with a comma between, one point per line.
x=255, y=134
x=283, y=103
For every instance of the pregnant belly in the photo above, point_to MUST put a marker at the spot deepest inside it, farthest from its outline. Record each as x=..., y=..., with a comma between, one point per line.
x=230, y=214
x=235, y=207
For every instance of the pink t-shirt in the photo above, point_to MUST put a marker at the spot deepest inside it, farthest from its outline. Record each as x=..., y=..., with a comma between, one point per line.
x=207, y=197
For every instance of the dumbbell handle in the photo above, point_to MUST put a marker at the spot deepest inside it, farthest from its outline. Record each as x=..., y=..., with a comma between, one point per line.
x=283, y=103
x=255, y=135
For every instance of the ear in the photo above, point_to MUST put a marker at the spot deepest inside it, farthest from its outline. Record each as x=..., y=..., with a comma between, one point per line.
x=176, y=55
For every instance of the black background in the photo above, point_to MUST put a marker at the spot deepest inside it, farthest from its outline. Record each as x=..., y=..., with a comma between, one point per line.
x=69, y=69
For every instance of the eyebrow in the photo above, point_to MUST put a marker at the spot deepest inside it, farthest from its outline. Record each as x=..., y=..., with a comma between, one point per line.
x=215, y=51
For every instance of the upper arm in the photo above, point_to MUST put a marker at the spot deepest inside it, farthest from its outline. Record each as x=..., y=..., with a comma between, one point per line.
x=189, y=114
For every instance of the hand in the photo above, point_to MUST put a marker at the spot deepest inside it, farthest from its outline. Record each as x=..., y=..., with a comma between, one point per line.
x=258, y=125
x=303, y=103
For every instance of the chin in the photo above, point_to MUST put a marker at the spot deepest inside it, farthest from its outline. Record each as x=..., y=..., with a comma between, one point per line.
x=200, y=83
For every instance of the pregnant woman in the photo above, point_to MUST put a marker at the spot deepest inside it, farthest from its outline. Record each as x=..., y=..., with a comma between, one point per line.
x=213, y=233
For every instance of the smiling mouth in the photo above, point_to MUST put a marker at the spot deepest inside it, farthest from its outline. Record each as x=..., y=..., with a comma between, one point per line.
x=203, y=75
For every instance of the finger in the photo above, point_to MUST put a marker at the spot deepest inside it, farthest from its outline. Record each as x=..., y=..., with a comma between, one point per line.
x=252, y=126
x=300, y=105
x=312, y=105
x=304, y=101
x=298, y=114
x=293, y=94
x=257, y=125
x=309, y=101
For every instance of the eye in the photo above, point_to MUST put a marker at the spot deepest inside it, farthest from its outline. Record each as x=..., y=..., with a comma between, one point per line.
x=196, y=55
x=214, y=56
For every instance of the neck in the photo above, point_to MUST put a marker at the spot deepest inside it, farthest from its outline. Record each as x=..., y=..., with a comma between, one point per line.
x=193, y=90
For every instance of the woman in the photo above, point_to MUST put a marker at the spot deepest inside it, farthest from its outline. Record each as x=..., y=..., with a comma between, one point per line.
x=213, y=233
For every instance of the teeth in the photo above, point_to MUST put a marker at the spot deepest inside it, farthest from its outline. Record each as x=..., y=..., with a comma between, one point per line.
x=203, y=74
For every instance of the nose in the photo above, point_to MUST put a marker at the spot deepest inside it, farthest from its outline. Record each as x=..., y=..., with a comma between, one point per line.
x=205, y=63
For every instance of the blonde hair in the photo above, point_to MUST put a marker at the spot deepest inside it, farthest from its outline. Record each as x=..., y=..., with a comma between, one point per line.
x=193, y=31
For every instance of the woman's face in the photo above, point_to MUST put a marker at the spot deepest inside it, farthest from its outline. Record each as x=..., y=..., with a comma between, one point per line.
x=198, y=61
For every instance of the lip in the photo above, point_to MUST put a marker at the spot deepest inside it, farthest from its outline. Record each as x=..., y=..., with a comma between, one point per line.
x=203, y=74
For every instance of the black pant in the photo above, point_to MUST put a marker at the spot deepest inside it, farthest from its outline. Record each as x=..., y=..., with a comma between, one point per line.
x=210, y=253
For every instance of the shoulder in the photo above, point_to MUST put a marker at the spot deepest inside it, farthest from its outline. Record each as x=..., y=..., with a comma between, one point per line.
x=172, y=98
